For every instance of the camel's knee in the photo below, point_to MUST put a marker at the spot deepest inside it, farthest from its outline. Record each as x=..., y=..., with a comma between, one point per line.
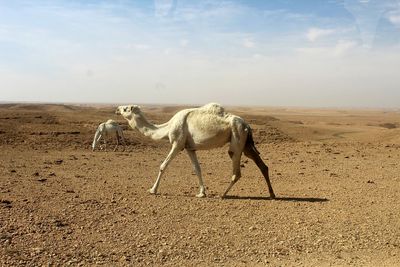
x=162, y=168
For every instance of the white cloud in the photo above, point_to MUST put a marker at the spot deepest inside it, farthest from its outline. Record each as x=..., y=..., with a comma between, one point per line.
x=209, y=10
x=315, y=33
x=4, y=30
x=184, y=42
x=287, y=15
x=257, y=56
x=163, y=7
x=248, y=43
x=343, y=47
x=394, y=17
x=167, y=51
x=141, y=46
x=134, y=46
x=367, y=15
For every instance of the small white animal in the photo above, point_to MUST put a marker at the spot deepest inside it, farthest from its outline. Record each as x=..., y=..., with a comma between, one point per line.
x=106, y=128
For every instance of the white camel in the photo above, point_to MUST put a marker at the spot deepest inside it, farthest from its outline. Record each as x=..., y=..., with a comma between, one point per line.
x=200, y=128
x=105, y=129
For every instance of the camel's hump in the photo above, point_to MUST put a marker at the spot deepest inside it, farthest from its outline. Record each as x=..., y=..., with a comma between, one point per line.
x=213, y=108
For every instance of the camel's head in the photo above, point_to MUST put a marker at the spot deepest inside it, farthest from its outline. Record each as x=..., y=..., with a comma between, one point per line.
x=128, y=111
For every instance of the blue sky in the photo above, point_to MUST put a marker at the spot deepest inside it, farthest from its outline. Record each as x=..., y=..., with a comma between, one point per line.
x=342, y=53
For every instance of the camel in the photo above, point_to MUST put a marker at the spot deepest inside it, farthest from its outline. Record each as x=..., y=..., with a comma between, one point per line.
x=201, y=128
x=106, y=128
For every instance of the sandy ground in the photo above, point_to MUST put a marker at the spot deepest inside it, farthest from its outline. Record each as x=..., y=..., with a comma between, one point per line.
x=335, y=173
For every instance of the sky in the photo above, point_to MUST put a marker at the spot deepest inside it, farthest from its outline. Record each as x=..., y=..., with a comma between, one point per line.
x=314, y=53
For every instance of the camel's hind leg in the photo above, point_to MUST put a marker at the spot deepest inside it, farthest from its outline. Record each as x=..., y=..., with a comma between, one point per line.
x=117, y=136
x=251, y=152
x=174, y=151
x=238, y=141
x=236, y=173
x=105, y=141
x=121, y=135
x=196, y=166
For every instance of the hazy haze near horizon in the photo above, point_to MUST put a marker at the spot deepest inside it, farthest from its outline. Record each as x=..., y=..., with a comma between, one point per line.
x=343, y=53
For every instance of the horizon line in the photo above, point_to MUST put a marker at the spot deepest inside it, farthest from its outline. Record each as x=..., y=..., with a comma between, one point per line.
x=93, y=104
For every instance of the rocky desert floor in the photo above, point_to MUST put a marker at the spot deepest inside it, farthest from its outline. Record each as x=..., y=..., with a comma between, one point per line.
x=336, y=175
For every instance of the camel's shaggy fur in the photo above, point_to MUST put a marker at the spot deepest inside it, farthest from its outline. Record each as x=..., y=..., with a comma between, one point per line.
x=105, y=129
x=200, y=128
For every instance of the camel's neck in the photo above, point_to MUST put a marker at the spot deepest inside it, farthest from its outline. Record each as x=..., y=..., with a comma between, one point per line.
x=156, y=132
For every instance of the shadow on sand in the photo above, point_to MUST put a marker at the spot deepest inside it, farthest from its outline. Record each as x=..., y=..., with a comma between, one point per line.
x=291, y=199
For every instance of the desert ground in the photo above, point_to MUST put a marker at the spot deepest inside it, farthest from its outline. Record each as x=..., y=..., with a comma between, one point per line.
x=335, y=172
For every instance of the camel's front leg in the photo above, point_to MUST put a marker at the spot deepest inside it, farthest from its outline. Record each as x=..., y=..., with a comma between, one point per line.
x=96, y=141
x=196, y=166
x=174, y=151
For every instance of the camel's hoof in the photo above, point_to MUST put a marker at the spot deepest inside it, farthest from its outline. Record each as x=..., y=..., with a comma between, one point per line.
x=152, y=191
x=201, y=195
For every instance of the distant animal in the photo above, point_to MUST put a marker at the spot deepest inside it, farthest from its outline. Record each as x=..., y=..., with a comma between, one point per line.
x=108, y=128
x=200, y=128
